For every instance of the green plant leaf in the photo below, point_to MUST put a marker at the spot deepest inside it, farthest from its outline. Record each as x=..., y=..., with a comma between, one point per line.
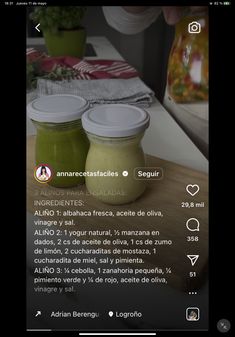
x=55, y=18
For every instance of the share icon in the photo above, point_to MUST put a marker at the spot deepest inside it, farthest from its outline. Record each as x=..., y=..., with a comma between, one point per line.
x=193, y=259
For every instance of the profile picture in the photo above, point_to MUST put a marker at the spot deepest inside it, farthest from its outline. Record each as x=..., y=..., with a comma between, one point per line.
x=42, y=173
x=192, y=314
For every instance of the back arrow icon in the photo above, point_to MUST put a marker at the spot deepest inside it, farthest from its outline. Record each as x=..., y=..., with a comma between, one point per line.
x=37, y=27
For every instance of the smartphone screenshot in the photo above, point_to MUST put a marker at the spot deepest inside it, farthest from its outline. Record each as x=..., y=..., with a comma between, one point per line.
x=117, y=168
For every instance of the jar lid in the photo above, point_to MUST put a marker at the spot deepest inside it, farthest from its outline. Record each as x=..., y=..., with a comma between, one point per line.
x=115, y=120
x=57, y=108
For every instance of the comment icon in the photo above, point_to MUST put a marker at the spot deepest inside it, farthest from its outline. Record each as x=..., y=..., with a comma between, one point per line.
x=193, y=225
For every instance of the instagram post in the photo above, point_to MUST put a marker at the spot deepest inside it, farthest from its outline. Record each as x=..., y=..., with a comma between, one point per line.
x=118, y=202
x=117, y=229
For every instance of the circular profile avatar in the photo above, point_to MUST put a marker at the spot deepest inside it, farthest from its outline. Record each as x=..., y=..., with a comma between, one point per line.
x=42, y=173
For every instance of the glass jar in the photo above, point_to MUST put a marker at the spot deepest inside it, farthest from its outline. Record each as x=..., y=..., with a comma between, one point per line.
x=61, y=142
x=187, y=79
x=115, y=132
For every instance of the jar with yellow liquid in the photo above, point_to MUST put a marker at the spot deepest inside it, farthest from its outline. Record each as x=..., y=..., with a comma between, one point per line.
x=115, y=132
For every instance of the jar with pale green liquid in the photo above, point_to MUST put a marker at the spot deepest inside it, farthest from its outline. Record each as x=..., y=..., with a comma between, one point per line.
x=61, y=142
x=115, y=132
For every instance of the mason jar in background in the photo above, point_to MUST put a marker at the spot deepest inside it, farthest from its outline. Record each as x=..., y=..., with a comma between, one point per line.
x=115, y=132
x=186, y=96
x=61, y=142
x=187, y=79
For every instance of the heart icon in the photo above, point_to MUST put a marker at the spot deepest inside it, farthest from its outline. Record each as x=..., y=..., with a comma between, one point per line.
x=192, y=189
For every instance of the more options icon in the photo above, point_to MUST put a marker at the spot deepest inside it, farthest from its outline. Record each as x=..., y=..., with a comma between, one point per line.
x=194, y=27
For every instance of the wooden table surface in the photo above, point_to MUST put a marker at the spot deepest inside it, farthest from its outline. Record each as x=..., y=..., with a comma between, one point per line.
x=163, y=195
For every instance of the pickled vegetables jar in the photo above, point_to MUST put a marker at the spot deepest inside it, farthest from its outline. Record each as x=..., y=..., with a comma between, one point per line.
x=187, y=79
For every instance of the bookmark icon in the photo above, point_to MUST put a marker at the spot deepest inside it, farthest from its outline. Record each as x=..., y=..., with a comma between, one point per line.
x=193, y=259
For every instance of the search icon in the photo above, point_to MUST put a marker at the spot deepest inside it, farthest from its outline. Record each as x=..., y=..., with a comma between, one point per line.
x=193, y=224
